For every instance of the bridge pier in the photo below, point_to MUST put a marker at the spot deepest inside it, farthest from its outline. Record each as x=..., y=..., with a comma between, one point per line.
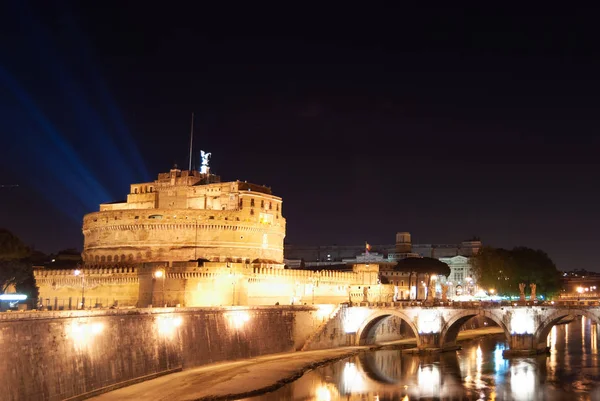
x=524, y=344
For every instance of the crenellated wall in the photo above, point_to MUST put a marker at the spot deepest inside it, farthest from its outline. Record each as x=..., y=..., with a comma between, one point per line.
x=208, y=284
x=54, y=356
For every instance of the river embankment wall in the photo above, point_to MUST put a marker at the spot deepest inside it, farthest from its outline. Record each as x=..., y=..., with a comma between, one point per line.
x=71, y=355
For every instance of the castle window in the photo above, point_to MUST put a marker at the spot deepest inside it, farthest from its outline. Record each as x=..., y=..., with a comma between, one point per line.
x=252, y=202
x=241, y=204
x=135, y=191
x=151, y=189
x=277, y=208
x=252, y=212
x=155, y=216
x=211, y=217
x=137, y=217
x=262, y=204
x=270, y=205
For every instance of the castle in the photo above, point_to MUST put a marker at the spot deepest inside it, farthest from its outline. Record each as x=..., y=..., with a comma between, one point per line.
x=184, y=216
x=188, y=239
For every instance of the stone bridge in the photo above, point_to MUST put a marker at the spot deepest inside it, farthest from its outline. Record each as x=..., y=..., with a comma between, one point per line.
x=526, y=325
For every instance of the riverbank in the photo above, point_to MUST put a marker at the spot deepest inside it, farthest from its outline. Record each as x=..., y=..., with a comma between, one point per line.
x=245, y=378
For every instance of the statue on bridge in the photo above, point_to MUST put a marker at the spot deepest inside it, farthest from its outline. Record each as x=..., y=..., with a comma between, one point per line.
x=522, y=291
x=533, y=286
x=365, y=294
x=444, y=292
x=431, y=290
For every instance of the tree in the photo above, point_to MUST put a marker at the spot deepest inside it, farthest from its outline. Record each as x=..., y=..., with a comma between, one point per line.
x=16, y=268
x=503, y=270
x=426, y=266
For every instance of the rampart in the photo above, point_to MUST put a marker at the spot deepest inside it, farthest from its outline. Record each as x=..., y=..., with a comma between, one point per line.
x=71, y=355
x=207, y=284
x=134, y=235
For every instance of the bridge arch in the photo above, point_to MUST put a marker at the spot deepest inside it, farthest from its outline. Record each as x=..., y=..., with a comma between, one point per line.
x=452, y=326
x=371, y=321
x=544, y=327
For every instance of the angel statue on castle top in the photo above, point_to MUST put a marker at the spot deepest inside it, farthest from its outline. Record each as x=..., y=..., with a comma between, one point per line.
x=204, y=167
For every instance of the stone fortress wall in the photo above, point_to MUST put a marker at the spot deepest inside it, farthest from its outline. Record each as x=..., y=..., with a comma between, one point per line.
x=207, y=284
x=186, y=215
x=188, y=239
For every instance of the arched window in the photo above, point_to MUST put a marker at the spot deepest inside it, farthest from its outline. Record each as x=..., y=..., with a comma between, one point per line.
x=262, y=204
x=252, y=202
x=135, y=191
x=151, y=189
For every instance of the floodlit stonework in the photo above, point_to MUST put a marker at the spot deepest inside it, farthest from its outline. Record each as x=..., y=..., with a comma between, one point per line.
x=188, y=239
x=184, y=216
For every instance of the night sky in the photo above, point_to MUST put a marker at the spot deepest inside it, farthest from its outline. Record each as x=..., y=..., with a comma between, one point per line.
x=446, y=122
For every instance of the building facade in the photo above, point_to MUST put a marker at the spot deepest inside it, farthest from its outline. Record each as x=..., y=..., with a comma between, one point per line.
x=184, y=216
x=188, y=239
x=401, y=249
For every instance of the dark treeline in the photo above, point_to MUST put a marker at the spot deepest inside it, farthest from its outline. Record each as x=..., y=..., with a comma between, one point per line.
x=503, y=270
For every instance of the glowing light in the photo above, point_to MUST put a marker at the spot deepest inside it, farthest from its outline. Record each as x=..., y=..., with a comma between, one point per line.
x=580, y=289
x=500, y=363
x=168, y=324
x=522, y=322
x=13, y=297
x=77, y=272
x=522, y=382
x=324, y=310
x=237, y=319
x=352, y=380
x=428, y=378
x=354, y=319
x=429, y=321
x=83, y=333
x=158, y=273
x=323, y=393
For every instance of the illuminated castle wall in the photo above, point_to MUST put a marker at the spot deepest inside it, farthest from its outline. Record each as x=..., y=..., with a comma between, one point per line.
x=215, y=243
x=183, y=216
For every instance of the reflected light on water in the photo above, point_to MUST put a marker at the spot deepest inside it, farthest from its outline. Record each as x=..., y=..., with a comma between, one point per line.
x=583, y=334
x=428, y=378
x=522, y=381
x=353, y=381
x=594, y=338
x=322, y=394
x=500, y=364
x=477, y=372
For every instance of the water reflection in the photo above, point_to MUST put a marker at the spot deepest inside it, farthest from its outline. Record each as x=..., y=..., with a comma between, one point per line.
x=477, y=372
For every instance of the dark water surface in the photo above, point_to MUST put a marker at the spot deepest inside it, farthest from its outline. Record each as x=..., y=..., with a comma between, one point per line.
x=477, y=372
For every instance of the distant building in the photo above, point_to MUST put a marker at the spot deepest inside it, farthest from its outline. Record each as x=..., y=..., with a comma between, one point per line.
x=401, y=249
x=461, y=280
x=580, y=284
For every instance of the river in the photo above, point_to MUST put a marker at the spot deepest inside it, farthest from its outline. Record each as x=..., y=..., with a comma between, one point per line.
x=478, y=371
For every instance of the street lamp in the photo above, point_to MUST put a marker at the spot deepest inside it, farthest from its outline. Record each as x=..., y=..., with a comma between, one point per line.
x=78, y=273
x=158, y=274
